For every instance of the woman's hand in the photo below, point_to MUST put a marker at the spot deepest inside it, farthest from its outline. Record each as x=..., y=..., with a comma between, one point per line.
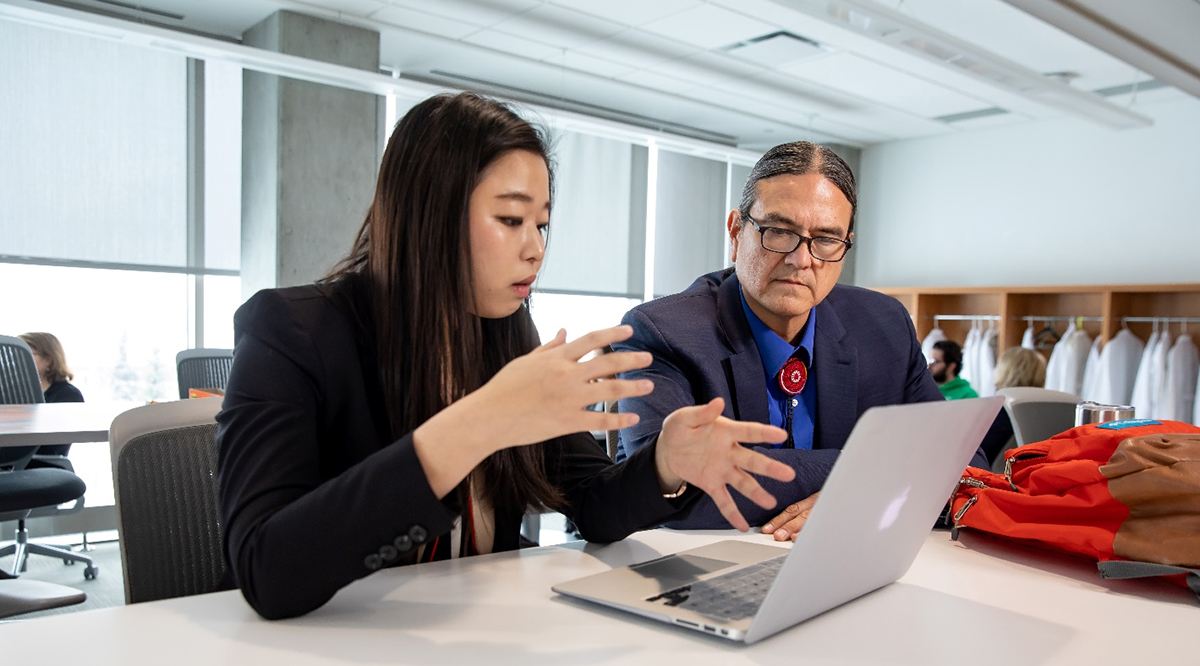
x=700, y=446
x=538, y=396
x=546, y=393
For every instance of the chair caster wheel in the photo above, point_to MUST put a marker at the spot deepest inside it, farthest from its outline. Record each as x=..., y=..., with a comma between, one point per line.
x=90, y=573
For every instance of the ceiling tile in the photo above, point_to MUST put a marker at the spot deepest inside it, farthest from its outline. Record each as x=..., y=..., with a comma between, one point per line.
x=559, y=27
x=475, y=12
x=638, y=49
x=353, y=7
x=589, y=64
x=518, y=46
x=629, y=12
x=657, y=81
x=709, y=27
x=707, y=69
x=411, y=19
x=880, y=83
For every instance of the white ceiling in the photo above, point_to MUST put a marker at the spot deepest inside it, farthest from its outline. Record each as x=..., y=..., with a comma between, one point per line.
x=675, y=64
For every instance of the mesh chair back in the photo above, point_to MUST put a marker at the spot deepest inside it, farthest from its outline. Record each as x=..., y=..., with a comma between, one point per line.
x=164, y=479
x=203, y=368
x=19, y=385
x=1038, y=414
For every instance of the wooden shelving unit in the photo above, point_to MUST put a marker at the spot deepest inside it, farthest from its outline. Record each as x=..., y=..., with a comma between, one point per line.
x=1103, y=307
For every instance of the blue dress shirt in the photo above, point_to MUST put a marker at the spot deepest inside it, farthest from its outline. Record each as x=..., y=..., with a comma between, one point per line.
x=774, y=352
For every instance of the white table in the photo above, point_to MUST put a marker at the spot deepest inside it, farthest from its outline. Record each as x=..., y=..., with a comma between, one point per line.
x=966, y=603
x=58, y=422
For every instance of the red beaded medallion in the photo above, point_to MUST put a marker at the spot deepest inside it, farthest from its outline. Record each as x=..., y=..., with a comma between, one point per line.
x=793, y=376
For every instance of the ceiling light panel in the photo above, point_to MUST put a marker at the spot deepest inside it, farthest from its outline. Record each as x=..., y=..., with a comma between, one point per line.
x=906, y=34
x=1012, y=34
x=411, y=19
x=629, y=12
x=559, y=27
x=709, y=27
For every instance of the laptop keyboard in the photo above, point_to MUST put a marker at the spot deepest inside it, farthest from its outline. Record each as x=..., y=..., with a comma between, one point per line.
x=732, y=596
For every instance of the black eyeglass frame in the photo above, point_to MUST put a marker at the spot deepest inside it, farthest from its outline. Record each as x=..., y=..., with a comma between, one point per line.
x=800, y=239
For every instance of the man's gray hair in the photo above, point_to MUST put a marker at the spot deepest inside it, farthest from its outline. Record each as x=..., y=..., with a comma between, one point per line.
x=797, y=159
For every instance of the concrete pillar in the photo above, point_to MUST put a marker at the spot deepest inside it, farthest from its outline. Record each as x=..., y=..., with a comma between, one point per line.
x=309, y=154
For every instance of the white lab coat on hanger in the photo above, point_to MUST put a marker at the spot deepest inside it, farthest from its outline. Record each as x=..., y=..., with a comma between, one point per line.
x=1179, y=390
x=1143, y=384
x=970, y=364
x=1027, y=339
x=1117, y=370
x=1064, y=370
x=1090, y=370
x=985, y=359
x=935, y=336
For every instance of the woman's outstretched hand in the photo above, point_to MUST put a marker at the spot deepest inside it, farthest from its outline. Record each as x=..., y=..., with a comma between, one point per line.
x=546, y=393
x=535, y=397
x=703, y=448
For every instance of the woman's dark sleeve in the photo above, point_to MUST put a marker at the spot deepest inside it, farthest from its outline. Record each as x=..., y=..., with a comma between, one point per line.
x=608, y=501
x=299, y=524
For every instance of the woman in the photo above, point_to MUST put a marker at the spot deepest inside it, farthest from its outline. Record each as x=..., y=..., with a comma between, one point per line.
x=1019, y=366
x=400, y=410
x=51, y=362
x=52, y=368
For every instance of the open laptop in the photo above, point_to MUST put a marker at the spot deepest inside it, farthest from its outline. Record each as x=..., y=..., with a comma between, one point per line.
x=874, y=513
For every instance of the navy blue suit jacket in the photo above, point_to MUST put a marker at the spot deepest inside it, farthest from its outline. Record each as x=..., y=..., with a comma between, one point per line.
x=865, y=354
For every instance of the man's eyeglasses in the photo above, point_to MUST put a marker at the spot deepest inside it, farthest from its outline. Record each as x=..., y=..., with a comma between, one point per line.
x=784, y=241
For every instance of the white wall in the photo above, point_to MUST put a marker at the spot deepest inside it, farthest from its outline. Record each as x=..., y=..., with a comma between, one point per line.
x=1055, y=202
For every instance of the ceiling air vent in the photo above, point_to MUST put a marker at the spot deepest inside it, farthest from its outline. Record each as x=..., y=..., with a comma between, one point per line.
x=776, y=49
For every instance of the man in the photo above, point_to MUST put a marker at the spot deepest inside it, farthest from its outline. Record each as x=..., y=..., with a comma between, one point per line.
x=944, y=368
x=727, y=337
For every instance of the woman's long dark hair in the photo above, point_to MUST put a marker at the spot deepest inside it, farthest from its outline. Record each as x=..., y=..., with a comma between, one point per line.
x=414, y=250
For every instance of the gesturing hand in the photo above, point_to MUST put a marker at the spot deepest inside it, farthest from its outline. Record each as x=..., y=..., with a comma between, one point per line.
x=538, y=396
x=546, y=392
x=700, y=446
x=787, y=524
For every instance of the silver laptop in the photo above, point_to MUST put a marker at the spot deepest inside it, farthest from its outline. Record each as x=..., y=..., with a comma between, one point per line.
x=874, y=513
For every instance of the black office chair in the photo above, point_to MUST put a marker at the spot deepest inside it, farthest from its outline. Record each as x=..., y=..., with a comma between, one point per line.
x=203, y=369
x=22, y=489
x=164, y=478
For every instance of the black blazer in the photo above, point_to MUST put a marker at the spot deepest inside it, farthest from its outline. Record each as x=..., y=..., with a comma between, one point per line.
x=865, y=353
x=315, y=490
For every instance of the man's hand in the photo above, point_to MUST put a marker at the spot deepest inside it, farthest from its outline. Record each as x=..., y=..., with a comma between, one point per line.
x=700, y=446
x=788, y=524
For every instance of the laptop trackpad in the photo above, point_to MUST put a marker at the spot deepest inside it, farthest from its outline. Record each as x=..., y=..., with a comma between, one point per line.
x=674, y=570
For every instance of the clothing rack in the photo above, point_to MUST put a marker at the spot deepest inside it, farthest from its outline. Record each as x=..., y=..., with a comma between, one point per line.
x=937, y=318
x=1162, y=320
x=1032, y=319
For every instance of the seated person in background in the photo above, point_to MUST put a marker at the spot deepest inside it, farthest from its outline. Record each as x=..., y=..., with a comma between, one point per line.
x=55, y=376
x=945, y=366
x=775, y=339
x=402, y=411
x=1019, y=366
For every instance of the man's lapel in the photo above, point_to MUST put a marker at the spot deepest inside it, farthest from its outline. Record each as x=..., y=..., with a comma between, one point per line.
x=748, y=388
x=835, y=369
